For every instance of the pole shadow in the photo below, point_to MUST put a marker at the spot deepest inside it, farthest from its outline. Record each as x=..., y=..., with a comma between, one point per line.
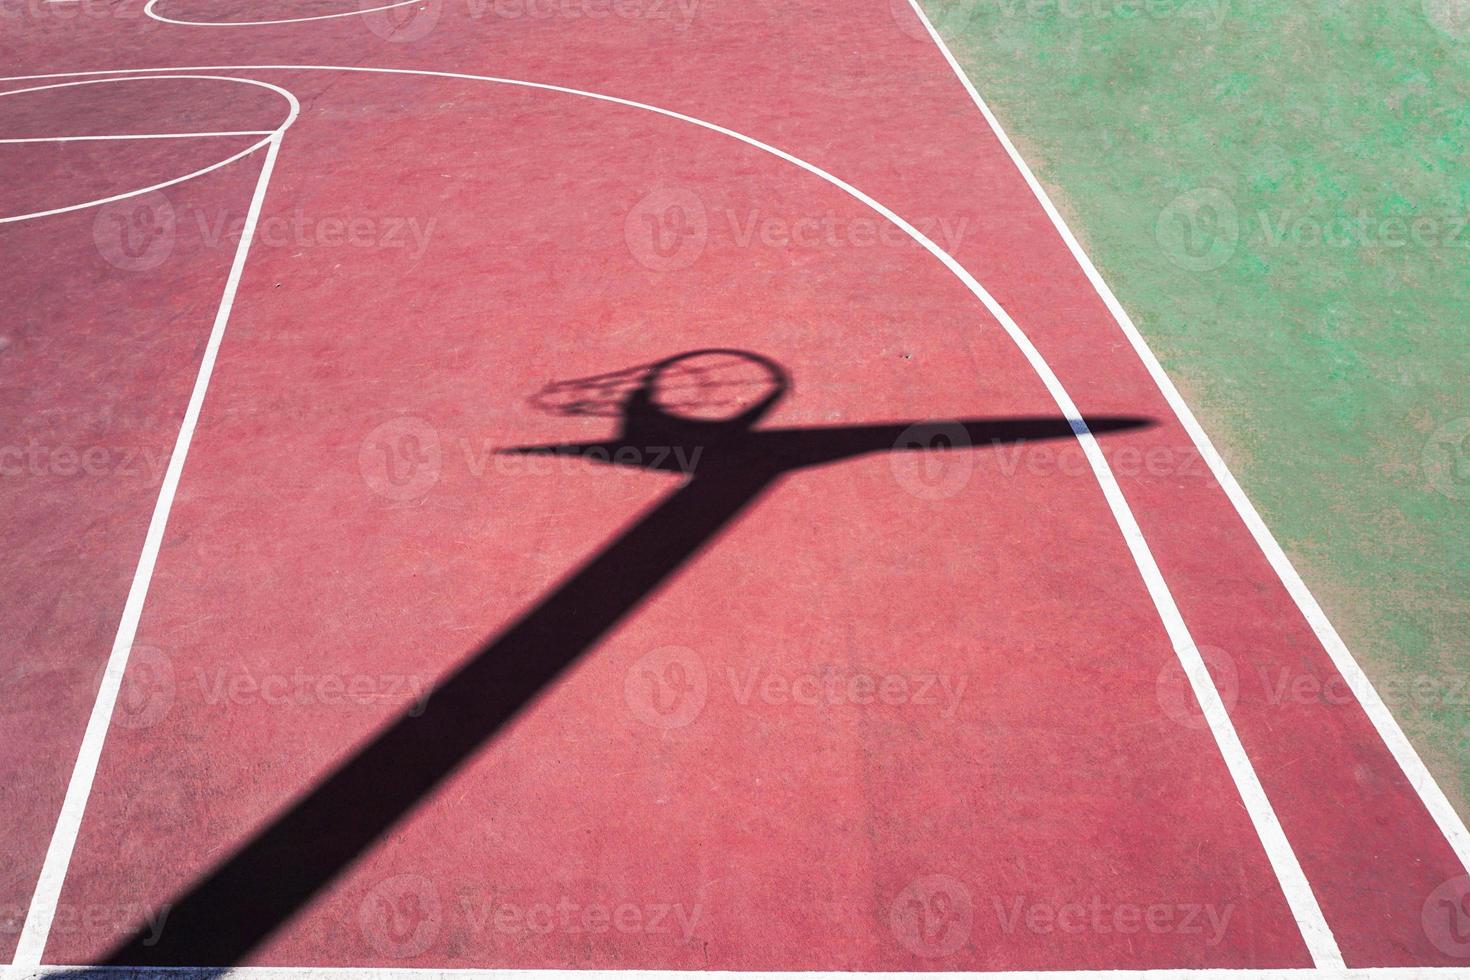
x=727, y=463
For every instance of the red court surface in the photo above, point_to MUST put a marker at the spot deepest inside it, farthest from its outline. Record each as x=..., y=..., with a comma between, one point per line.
x=824, y=693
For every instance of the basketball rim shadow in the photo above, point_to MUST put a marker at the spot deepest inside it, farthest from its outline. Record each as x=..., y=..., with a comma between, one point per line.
x=246, y=897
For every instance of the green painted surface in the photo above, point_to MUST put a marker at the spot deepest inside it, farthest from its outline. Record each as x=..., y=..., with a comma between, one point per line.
x=1278, y=192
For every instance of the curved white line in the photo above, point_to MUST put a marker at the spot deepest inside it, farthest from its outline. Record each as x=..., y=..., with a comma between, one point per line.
x=1446, y=817
x=150, y=12
x=294, y=111
x=1425, y=786
x=1303, y=904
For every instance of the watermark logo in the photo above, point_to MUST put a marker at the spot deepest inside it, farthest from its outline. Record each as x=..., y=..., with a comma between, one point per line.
x=298, y=230
x=1446, y=917
x=667, y=687
x=949, y=17
x=678, y=12
x=401, y=24
x=96, y=920
x=671, y=228
x=401, y=459
x=1176, y=695
x=830, y=230
x=78, y=10
x=667, y=229
x=830, y=688
x=930, y=461
x=1069, y=459
x=1446, y=459
x=1199, y=230
x=1363, y=229
x=135, y=234
x=1209, y=13
x=933, y=916
x=147, y=690
x=1321, y=685
x=1450, y=17
x=1102, y=917
x=952, y=17
x=401, y=916
x=575, y=918
x=300, y=688
x=36, y=458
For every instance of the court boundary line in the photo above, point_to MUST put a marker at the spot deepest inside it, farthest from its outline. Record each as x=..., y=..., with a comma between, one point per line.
x=1317, y=937
x=53, y=972
x=45, y=899
x=1425, y=786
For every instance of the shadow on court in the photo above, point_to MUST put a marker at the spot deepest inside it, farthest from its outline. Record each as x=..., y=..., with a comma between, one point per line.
x=706, y=404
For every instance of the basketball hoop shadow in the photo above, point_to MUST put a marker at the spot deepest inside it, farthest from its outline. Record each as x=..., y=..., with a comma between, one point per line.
x=244, y=899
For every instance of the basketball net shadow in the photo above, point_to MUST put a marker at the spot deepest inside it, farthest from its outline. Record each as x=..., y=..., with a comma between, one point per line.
x=244, y=899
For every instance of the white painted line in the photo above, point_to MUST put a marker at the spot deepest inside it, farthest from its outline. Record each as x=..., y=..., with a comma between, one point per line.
x=1443, y=812
x=1303, y=904
x=133, y=136
x=149, y=10
x=401, y=973
x=293, y=110
x=44, y=901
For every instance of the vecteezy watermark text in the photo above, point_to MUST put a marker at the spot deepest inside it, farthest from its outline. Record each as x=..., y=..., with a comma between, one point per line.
x=572, y=918
x=678, y=12
x=952, y=18
x=301, y=230
x=304, y=688
x=832, y=688
x=1101, y=916
x=1209, y=12
x=404, y=458
x=670, y=686
x=96, y=919
x=671, y=227
x=403, y=916
x=36, y=458
x=139, y=233
x=1202, y=229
